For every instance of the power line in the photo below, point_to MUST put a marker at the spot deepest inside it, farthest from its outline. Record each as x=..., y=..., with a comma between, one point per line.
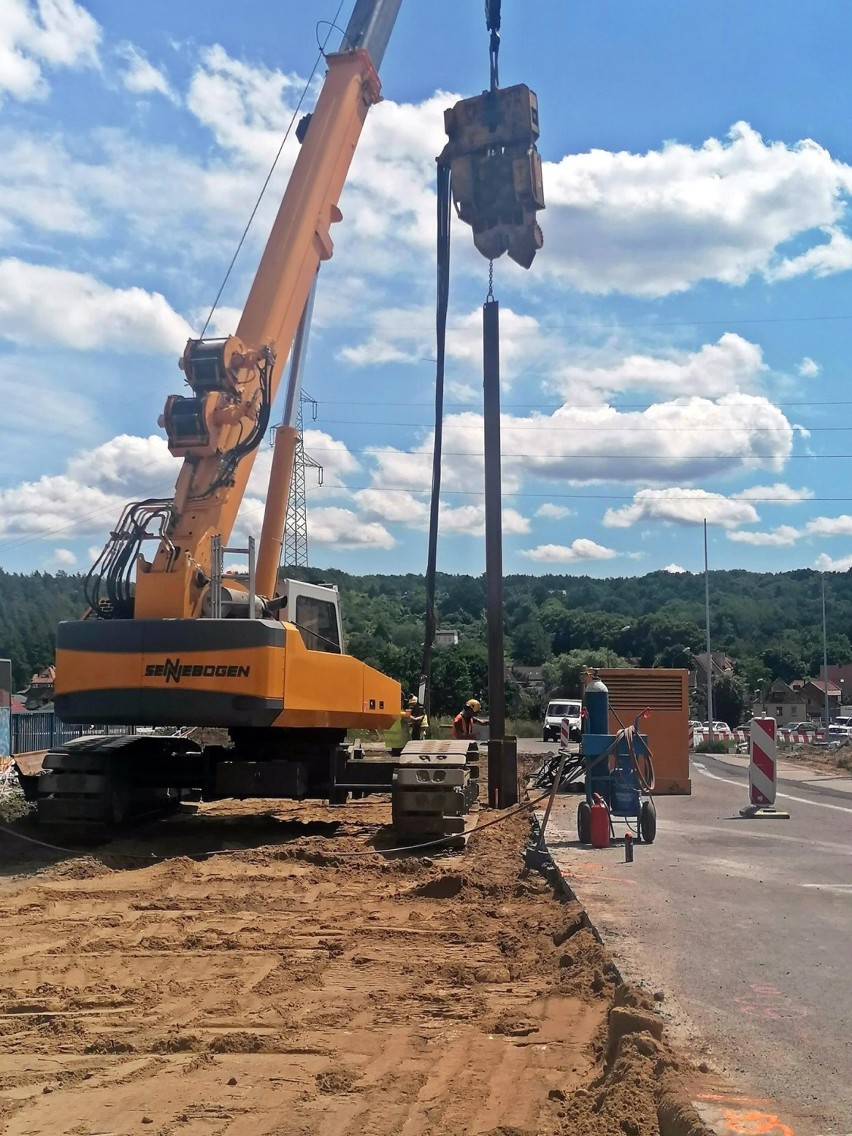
x=574, y=427
x=582, y=457
x=553, y=496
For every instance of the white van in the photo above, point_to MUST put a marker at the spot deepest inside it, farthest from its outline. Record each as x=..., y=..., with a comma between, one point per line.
x=558, y=709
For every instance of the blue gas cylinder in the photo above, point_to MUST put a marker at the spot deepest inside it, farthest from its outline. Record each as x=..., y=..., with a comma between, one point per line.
x=596, y=705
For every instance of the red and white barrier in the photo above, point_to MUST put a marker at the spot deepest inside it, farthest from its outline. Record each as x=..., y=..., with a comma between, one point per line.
x=763, y=762
x=702, y=735
x=564, y=734
x=762, y=770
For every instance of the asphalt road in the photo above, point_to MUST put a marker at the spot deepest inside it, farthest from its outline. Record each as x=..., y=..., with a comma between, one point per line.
x=746, y=927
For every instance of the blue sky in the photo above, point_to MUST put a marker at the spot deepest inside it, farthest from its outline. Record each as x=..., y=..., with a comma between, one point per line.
x=678, y=351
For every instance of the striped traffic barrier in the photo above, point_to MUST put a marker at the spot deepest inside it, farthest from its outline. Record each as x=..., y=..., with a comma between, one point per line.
x=763, y=771
x=564, y=734
x=784, y=736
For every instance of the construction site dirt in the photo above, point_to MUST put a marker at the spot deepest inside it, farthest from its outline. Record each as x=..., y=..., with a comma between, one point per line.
x=300, y=984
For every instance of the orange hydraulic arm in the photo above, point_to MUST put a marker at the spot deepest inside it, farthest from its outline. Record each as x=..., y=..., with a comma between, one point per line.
x=234, y=381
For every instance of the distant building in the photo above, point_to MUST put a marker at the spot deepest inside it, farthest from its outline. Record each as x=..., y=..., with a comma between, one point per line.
x=814, y=692
x=446, y=637
x=721, y=665
x=529, y=679
x=781, y=702
x=40, y=690
x=841, y=676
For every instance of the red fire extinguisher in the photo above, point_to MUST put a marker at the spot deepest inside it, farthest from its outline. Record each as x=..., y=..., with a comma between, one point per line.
x=600, y=823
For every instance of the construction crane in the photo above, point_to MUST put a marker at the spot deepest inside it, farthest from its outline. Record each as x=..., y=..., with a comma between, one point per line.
x=169, y=640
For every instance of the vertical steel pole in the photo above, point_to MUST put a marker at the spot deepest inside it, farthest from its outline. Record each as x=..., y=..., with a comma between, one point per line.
x=825, y=659
x=709, y=653
x=502, y=752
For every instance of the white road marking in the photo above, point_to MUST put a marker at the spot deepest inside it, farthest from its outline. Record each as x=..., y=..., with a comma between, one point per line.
x=842, y=889
x=786, y=796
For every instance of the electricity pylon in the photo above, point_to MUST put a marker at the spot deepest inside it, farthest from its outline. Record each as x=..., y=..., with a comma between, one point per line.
x=296, y=525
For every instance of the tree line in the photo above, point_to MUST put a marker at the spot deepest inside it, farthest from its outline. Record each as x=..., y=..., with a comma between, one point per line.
x=769, y=624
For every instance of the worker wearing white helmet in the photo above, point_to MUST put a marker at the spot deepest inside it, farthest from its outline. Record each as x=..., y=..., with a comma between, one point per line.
x=466, y=719
x=416, y=717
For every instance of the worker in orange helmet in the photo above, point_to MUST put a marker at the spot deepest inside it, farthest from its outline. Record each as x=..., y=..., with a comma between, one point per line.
x=466, y=719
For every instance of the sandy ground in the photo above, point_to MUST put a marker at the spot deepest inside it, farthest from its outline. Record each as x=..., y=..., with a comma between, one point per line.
x=290, y=988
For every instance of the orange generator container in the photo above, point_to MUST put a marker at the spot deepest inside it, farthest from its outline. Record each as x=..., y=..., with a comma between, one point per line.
x=665, y=693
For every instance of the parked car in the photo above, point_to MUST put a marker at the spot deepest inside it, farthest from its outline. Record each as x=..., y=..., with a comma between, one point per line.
x=558, y=709
x=718, y=727
x=802, y=727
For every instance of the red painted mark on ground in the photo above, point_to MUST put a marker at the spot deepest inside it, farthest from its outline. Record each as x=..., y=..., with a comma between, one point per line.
x=755, y=1123
x=770, y=1004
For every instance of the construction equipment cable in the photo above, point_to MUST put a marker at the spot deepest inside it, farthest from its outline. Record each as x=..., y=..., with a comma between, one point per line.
x=153, y=858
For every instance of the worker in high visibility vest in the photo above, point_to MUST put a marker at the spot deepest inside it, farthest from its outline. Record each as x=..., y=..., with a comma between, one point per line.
x=466, y=719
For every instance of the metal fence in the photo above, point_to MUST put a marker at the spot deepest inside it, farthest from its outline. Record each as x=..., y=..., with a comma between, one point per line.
x=44, y=730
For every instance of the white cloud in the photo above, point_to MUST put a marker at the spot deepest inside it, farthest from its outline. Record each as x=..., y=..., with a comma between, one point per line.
x=463, y=392
x=54, y=505
x=407, y=335
x=243, y=104
x=780, y=537
x=731, y=365
x=580, y=549
x=41, y=305
x=675, y=569
x=88, y=497
x=341, y=528
x=777, y=494
x=127, y=467
x=682, y=506
x=462, y=466
x=396, y=508
x=656, y=223
x=683, y=439
x=332, y=454
x=824, y=563
x=141, y=77
x=469, y=520
x=553, y=512
x=830, y=526
x=35, y=34
x=808, y=369
x=835, y=255
x=64, y=557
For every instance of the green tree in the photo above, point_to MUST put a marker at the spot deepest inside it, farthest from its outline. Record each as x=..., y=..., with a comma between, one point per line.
x=530, y=644
x=731, y=699
x=563, y=673
x=451, y=685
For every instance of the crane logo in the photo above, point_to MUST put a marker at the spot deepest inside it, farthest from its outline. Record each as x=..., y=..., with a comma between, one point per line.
x=173, y=670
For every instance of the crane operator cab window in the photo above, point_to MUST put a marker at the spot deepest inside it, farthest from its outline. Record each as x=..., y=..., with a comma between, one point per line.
x=317, y=623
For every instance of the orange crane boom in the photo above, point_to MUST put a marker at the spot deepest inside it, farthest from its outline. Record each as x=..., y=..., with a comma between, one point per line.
x=235, y=380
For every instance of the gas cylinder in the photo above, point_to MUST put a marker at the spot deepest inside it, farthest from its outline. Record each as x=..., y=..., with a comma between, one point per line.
x=596, y=705
x=600, y=823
